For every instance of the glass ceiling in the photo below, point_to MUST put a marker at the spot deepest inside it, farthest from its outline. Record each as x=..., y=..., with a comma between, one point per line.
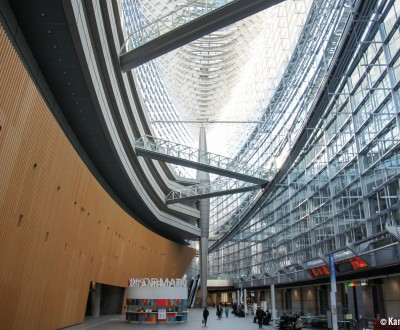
x=253, y=85
x=224, y=80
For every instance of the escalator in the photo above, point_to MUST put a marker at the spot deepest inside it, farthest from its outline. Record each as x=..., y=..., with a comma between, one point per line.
x=193, y=289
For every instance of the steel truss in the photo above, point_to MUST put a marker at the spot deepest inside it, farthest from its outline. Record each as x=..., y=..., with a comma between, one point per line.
x=334, y=195
x=179, y=154
x=209, y=189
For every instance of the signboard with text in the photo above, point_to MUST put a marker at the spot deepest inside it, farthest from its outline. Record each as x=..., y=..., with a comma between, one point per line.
x=162, y=313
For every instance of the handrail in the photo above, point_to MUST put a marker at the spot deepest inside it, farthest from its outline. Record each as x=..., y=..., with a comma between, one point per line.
x=173, y=149
x=170, y=22
x=219, y=187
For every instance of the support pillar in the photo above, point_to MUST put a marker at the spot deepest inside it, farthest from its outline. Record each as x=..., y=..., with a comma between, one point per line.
x=245, y=301
x=204, y=222
x=95, y=299
x=273, y=305
x=333, y=292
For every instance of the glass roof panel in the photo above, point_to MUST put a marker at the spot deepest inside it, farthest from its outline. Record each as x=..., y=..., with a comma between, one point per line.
x=224, y=80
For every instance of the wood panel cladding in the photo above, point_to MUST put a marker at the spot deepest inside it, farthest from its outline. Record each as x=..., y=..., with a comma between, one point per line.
x=59, y=229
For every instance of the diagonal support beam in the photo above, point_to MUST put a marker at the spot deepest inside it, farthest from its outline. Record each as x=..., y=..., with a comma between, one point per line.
x=323, y=257
x=271, y=274
x=394, y=231
x=179, y=154
x=283, y=270
x=235, y=224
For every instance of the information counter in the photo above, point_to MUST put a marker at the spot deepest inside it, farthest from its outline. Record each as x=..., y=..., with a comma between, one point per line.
x=156, y=304
x=156, y=317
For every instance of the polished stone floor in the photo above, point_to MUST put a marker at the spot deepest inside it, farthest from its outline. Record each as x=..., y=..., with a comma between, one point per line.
x=117, y=322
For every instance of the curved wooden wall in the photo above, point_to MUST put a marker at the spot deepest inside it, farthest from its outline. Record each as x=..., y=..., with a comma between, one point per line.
x=59, y=230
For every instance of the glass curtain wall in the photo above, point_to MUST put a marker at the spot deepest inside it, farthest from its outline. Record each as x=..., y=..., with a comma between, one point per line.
x=155, y=101
x=343, y=187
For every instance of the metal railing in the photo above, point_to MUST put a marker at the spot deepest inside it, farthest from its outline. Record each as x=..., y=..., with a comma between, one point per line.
x=215, y=188
x=189, y=154
x=171, y=21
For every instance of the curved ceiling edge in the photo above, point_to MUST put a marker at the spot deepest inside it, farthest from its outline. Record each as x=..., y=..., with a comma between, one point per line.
x=49, y=38
x=126, y=112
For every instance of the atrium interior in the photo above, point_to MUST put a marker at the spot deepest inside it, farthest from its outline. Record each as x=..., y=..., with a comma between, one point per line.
x=258, y=141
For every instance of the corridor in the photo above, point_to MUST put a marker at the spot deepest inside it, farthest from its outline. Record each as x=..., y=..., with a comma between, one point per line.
x=117, y=322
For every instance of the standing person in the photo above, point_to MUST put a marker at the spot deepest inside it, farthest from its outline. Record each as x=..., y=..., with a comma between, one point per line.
x=234, y=308
x=259, y=316
x=205, y=315
x=226, y=310
x=284, y=320
x=267, y=318
x=298, y=324
x=219, y=311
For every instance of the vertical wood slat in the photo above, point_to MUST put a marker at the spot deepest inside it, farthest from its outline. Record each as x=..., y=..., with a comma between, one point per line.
x=44, y=282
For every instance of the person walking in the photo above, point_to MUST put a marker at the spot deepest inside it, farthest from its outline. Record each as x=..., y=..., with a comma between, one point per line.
x=226, y=310
x=219, y=311
x=205, y=316
x=298, y=324
x=259, y=316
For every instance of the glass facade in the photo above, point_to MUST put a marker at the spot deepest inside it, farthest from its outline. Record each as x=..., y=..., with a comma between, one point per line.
x=343, y=186
x=219, y=80
x=320, y=88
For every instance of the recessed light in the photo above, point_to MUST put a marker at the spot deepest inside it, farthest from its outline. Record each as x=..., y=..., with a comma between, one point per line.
x=43, y=14
x=59, y=60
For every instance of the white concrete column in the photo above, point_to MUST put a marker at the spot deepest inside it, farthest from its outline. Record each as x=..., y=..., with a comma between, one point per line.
x=204, y=221
x=273, y=302
x=245, y=301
